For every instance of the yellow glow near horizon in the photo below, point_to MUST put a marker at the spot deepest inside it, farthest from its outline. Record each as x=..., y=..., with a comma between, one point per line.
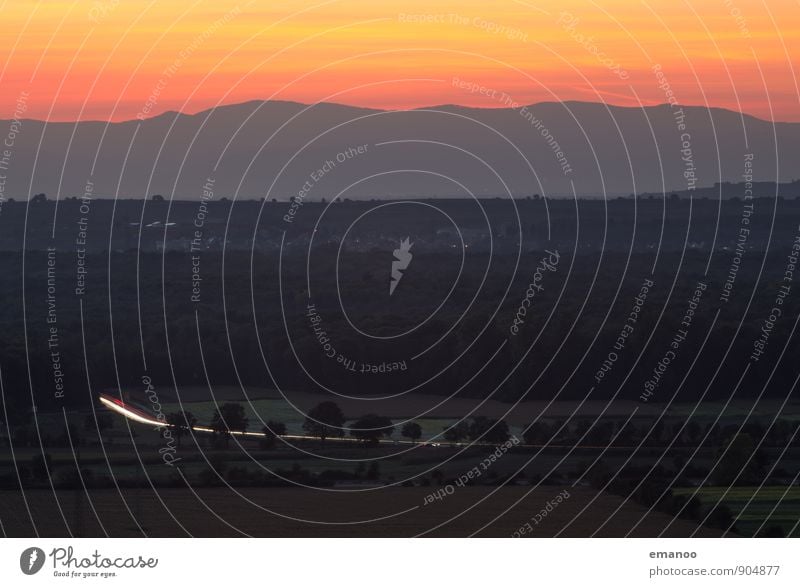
x=106, y=59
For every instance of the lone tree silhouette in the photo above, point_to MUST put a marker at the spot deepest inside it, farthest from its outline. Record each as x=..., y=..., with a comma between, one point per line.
x=180, y=423
x=325, y=420
x=484, y=429
x=412, y=430
x=371, y=428
x=271, y=431
x=227, y=419
x=456, y=432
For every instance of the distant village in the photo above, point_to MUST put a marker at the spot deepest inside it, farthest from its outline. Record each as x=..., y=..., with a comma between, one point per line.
x=90, y=223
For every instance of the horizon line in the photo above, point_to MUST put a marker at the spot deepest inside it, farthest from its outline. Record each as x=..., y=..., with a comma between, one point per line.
x=432, y=107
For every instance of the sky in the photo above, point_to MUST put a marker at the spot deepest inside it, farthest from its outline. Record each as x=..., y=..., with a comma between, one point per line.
x=124, y=59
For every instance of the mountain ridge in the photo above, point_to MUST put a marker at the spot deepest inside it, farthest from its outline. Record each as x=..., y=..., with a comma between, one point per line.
x=270, y=149
x=429, y=107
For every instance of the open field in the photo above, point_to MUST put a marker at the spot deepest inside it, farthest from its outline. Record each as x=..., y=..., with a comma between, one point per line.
x=763, y=410
x=751, y=516
x=395, y=512
x=433, y=413
x=391, y=479
x=271, y=404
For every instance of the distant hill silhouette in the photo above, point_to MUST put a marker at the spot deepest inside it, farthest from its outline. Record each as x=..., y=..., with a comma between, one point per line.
x=727, y=190
x=438, y=151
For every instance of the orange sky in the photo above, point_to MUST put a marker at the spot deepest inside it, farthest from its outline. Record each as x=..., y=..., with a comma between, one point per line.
x=106, y=59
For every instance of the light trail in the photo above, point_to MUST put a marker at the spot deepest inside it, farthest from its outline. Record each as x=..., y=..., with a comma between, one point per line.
x=135, y=415
x=142, y=417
